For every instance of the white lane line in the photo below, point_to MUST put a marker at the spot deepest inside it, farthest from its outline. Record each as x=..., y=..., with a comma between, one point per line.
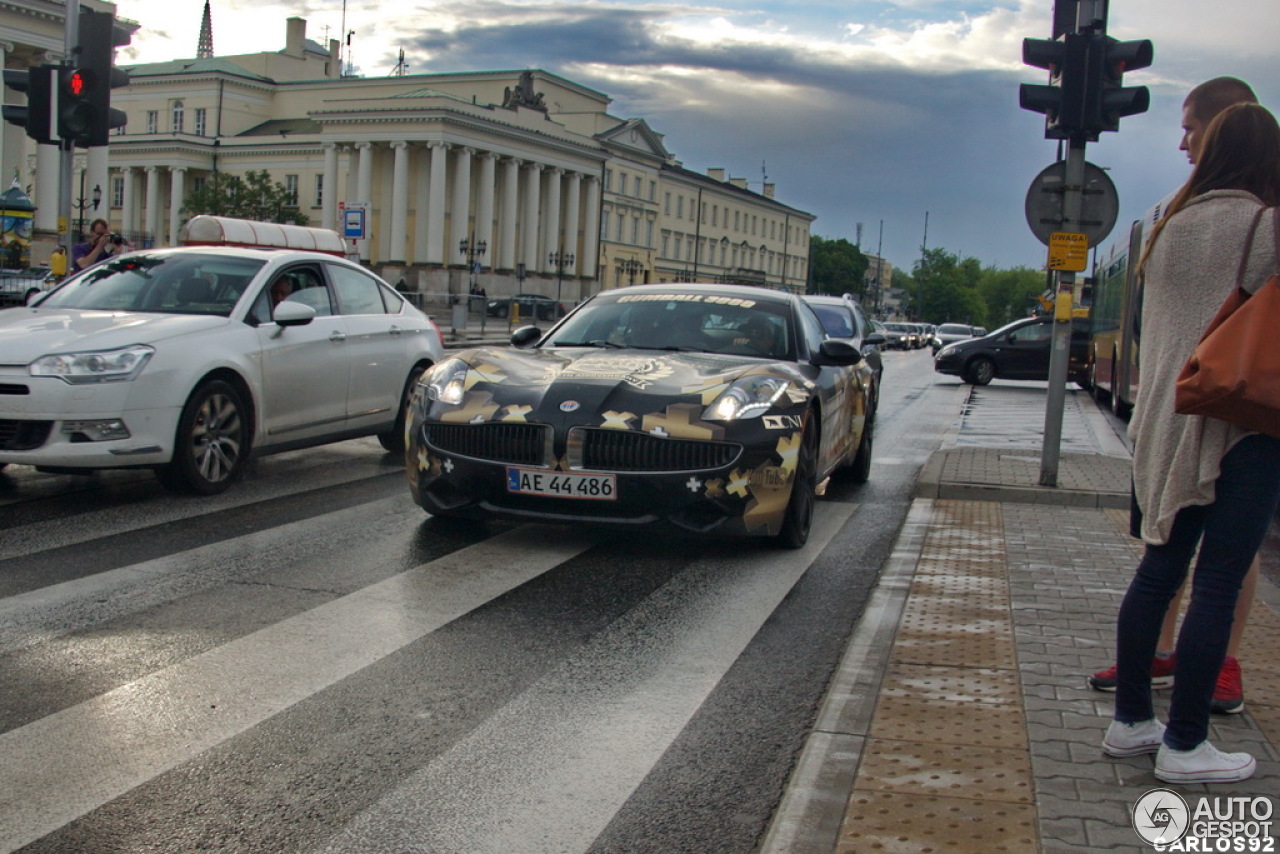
x=548, y=771
x=58, y=768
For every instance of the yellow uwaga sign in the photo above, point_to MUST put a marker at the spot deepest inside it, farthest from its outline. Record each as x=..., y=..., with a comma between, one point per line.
x=1068, y=251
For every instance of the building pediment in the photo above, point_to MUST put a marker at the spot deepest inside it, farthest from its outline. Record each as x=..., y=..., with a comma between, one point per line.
x=636, y=135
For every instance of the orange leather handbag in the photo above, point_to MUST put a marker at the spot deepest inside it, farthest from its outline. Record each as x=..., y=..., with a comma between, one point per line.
x=1234, y=372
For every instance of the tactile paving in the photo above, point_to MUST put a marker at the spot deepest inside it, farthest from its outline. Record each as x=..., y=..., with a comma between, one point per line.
x=922, y=824
x=960, y=771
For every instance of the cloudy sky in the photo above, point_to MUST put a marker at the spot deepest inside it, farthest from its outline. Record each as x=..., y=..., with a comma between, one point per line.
x=895, y=112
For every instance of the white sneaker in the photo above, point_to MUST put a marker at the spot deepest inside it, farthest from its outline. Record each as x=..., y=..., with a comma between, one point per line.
x=1203, y=764
x=1133, y=739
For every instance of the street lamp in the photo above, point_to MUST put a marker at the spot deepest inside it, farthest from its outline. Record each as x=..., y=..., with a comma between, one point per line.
x=630, y=267
x=560, y=260
x=472, y=249
x=82, y=204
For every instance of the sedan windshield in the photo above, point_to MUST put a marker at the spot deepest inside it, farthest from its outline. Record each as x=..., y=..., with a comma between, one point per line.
x=170, y=283
x=689, y=322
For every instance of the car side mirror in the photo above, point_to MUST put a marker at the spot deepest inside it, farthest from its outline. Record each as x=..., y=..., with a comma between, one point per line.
x=875, y=339
x=289, y=313
x=525, y=336
x=834, y=351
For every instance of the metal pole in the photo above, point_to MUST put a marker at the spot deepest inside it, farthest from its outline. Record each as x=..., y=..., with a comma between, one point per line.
x=1060, y=348
x=67, y=151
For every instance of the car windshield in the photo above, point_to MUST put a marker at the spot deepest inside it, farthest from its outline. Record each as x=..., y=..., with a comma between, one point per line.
x=953, y=329
x=683, y=322
x=169, y=283
x=837, y=322
x=898, y=327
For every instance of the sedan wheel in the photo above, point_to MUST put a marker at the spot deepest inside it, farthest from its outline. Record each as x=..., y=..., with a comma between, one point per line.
x=394, y=441
x=212, y=442
x=804, y=490
x=860, y=471
x=980, y=371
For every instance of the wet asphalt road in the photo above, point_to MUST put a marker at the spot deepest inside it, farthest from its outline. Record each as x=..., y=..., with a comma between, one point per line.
x=310, y=663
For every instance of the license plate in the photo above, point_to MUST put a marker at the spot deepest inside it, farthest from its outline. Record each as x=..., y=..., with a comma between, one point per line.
x=559, y=484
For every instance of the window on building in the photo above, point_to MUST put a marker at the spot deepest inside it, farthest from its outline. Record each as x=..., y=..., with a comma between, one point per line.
x=319, y=190
x=666, y=204
x=198, y=184
x=202, y=116
x=666, y=244
x=653, y=190
x=679, y=207
x=291, y=190
x=678, y=246
x=737, y=220
x=608, y=180
x=153, y=121
x=715, y=214
x=604, y=225
x=635, y=230
x=177, y=114
x=117, y=191
x=620, y=227
x=639, y=183
x=648, y=233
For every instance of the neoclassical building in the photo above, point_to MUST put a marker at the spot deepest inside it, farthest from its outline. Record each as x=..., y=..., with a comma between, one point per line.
x=521, y=179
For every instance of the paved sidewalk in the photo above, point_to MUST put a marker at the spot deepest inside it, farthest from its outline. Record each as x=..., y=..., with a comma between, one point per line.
x=960, y=719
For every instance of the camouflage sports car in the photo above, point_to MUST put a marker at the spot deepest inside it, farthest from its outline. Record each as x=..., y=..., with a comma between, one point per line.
x=715, y=408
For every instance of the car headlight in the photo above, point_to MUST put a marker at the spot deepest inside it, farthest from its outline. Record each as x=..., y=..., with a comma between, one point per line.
x=949, y=350
x=749, y=397
x=97, y=366
x=447, y=381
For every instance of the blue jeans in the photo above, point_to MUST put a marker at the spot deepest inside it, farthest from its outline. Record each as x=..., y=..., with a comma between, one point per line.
x=1229, y=532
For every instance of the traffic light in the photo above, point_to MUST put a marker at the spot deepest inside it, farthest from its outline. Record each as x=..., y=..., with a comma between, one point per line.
x=1115, y=101
x=85, y=114
x=37, y=116
x=1063, y=100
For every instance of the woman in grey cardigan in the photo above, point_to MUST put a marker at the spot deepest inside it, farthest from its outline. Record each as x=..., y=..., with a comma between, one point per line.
x=1199, y=481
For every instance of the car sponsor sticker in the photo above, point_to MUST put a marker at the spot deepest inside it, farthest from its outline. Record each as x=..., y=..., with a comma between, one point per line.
x=783, y=422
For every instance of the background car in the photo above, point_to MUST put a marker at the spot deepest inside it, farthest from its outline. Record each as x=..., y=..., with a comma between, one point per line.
x=180, y=360
x=532, y=307
x=899, y=336
x=950, y=333
x=715, y=409
x=17, y=286
x=1018, y=351
x=842, y=317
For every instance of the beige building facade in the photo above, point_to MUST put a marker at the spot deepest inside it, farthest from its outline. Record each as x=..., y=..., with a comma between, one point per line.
x=521, y=180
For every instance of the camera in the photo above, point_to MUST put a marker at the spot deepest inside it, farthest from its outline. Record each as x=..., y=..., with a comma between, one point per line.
x=117, y=240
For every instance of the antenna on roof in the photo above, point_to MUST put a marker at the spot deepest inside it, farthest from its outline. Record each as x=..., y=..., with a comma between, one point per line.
x=401, y=66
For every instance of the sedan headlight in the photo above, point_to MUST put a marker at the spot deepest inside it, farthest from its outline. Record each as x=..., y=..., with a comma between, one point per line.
x=447, y=381
x=749, y=397
x=98, y=366
x=949, y=350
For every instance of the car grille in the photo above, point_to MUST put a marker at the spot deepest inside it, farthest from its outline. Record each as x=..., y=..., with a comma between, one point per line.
x=619, y=450
x=23, y=435
x=520, y=444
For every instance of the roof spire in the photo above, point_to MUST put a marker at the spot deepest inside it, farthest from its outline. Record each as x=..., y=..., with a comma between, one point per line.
x=204, y=50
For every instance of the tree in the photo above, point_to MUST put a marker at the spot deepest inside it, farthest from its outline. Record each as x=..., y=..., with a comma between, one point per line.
x=838, y=267
x=1008, y=294
x=944, y=287
x=255, y=196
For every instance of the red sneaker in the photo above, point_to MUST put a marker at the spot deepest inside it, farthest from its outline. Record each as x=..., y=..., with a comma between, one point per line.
x=1228, y=696
x=1161, y=675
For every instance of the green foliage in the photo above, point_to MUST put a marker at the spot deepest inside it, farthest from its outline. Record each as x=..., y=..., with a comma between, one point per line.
x=944, y=287
x=255, y=196
x=838, y=267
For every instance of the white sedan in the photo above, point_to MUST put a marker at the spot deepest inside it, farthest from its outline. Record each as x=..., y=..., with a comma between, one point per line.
x=191, y=360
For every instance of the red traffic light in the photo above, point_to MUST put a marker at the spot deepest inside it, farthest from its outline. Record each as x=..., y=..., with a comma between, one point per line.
x=79, y=82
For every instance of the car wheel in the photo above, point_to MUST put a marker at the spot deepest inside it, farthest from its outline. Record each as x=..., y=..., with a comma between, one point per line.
x=393, y=442
x=798, y=518
x=860, y=471
x=980, y=371
x=212, y=442
x=503, y=310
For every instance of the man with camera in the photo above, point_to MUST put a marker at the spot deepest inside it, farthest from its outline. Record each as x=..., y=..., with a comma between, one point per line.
x=102, y=244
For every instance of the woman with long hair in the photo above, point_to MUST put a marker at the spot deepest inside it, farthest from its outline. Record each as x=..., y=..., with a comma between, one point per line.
x=1199, y=481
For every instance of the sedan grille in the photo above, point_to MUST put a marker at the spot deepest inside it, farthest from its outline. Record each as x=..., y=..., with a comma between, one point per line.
x=519, y=444
x=23, y=435
x=619, y=450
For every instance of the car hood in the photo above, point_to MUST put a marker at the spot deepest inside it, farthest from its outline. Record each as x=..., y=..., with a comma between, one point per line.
x=26, y=334
x=508, y=384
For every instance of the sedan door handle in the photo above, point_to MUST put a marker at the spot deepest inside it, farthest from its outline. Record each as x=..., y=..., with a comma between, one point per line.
x=395, y=330
x=337, y=336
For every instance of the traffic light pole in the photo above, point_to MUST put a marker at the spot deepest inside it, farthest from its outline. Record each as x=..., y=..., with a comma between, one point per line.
x=1064, y=301
x=66, y=147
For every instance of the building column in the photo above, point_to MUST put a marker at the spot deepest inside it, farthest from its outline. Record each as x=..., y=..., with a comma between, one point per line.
x=510, y=210
x=177, y=195
x=435, y=203
x=48, y=164
x=572, y=226
x=529, y=218
x=421, y=198
x=153, y=205
x=460, y=210
x=329, y=189
x=364, y=193
x=484, y=204
x=590, y=258
x=399, y=203
x=128, y=203
x=552, y=237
